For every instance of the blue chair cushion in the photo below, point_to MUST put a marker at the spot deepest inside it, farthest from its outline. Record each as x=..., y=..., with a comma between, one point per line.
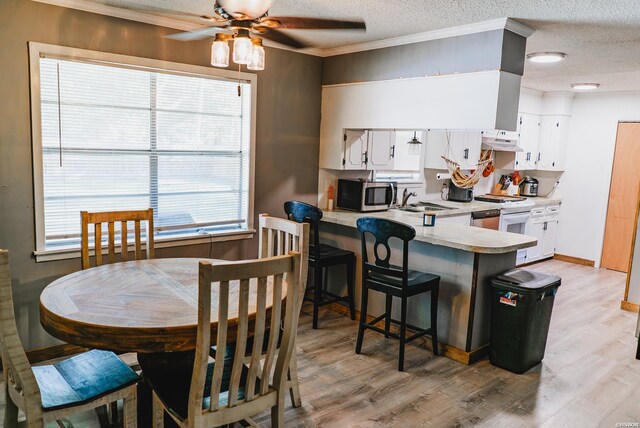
x=82, y=378
x=170, y=377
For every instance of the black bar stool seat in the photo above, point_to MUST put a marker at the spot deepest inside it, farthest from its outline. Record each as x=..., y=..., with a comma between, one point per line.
x=322, y=256
x=394, y=281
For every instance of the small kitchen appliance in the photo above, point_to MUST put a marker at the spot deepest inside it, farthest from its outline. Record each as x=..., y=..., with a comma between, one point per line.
x=459, y=195
x=529, y=187
x=366, y=196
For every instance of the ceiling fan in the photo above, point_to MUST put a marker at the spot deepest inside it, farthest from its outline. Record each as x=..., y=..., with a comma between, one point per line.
x=247, y=22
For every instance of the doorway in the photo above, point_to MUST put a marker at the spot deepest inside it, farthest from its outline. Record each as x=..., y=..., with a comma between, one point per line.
x=623, y=198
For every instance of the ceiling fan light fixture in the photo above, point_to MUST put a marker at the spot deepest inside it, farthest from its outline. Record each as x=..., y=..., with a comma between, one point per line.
x=220, y=52
x=585, y=86
x=546, y=57
x=257, y=55
x=242, y=47
x=246, y=8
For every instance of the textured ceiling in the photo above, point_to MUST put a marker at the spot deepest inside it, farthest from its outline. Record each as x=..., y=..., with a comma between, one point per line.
x=601, y=38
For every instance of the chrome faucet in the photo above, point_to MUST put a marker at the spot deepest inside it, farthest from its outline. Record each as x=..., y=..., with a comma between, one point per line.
x=405, y=197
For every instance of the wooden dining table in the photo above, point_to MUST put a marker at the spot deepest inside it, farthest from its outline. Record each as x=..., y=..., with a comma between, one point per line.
x=143, y=306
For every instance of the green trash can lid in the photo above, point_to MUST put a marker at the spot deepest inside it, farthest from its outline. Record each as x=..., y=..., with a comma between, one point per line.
x=526, y=279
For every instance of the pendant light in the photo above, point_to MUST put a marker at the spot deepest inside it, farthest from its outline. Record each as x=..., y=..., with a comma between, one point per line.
x=257, y=55
x=414, y=144
x=220, y=51
x=242, y=47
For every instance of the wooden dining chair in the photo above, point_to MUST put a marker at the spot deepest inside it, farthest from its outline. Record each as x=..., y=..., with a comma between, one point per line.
x=53, y=392
x=111, y=218
x=278, y=236
x=228, y=390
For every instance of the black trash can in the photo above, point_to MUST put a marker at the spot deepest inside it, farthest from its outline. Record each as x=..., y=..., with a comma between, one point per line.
x=521, y=305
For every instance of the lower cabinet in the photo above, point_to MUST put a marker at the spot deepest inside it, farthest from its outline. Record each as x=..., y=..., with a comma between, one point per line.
x=544, y=227
x=464, y=219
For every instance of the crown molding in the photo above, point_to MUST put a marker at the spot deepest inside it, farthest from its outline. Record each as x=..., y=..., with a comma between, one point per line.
x=478, y=27
x=178, y=24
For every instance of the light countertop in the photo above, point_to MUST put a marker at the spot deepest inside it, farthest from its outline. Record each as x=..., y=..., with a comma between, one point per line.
x=467, y=238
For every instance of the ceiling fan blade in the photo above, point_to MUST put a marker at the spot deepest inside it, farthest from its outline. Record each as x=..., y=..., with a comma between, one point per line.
x=298, y=22
x=280, y=37
x=199, y=34
x=169, y=12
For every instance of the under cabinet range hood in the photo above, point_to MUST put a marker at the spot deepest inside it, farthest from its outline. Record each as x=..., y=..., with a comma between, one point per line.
x=502, y=141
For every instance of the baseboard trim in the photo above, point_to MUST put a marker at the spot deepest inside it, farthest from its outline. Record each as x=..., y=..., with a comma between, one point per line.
x=448, y=351
x=535, y=262
x=575, y=260
x=628, y=306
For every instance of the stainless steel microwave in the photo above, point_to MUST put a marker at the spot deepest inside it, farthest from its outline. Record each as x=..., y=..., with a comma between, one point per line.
x=366, y=196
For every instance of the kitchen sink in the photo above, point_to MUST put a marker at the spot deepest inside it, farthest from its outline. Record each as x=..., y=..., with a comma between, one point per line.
x=421, y=207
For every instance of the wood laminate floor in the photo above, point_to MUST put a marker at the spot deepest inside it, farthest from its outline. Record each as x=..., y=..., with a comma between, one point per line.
x=589, y=376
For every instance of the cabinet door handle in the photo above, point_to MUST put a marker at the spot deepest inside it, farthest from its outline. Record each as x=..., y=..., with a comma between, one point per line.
x=366, y=159
x=528, y=156
x=538, y=157
x=393, y=151
x=545, y=226
x=466, y=153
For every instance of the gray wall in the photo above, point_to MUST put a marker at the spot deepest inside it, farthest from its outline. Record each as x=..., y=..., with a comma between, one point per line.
x=489, y=50
x=288, y=127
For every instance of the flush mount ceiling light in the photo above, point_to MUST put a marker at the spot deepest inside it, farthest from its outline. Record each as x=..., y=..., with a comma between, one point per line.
x=585, y=86
x=546, y=57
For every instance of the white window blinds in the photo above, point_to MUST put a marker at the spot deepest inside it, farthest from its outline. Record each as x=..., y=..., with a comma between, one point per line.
x=118, y=137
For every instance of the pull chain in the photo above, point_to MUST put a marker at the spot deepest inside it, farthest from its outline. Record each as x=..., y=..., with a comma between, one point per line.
x=239, y=87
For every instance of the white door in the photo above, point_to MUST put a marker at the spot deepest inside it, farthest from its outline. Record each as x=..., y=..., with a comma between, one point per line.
x=549, y=241
x=435, y=147
x=355, y=147
x=553, y=142
x=535, y=229
x=473, y=148
x=380, y=150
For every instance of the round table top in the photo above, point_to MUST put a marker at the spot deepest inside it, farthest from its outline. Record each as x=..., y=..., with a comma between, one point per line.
x=136, y=306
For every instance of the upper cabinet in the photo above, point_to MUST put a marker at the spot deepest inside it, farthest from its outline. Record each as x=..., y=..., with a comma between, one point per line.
x=528, y=140
x=462, y=147
x=367, y=149
x=553, y=143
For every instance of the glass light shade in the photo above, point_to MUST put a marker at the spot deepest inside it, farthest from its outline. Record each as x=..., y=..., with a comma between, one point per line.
x=257, y=58
x=242, y=48
x=250, y=8
x=220, y=53
x=414, y=145
x=546, y=57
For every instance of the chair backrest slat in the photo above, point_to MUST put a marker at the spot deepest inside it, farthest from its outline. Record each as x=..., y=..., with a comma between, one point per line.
x=124, y=244
x=19, y=380
x=256, y=275
x=258, y=338
x=97, y=233
x=112, y=243
x=112, y=217
x=274, y=332
x=241, y=342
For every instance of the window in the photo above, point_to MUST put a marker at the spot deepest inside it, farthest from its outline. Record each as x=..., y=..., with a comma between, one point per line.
x=122, y=133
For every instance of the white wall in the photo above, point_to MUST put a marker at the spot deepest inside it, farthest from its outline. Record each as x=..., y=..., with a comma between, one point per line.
x=585, y=183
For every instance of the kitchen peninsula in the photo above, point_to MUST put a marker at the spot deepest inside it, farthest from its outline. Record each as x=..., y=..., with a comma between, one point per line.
x=465, y=257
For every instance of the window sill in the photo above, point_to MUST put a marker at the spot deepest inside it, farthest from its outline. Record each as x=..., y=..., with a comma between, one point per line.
x=74, y=253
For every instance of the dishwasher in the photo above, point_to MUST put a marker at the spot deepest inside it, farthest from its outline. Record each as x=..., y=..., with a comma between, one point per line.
x=488, y=219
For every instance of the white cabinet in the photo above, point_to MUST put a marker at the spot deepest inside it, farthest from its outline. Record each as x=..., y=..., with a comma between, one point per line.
x=544, y=227
x=354, y=149
x=464, y=148
x=463, y=219
x=528, y=141
x=554, y=134
x=381, y=147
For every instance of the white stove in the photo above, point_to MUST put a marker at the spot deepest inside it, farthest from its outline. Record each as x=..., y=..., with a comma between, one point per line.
x=516, y=206
x=515, y=217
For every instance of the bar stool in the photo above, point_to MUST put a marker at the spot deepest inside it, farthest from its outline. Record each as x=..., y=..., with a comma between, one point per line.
x=322, y=256
x=398, y=281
